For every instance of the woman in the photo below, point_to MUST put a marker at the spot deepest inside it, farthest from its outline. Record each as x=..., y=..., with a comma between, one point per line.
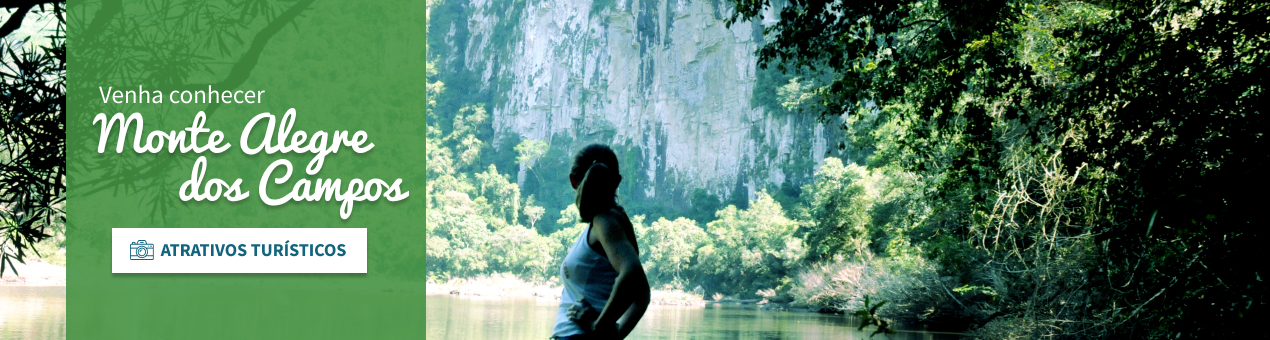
x=605, y=290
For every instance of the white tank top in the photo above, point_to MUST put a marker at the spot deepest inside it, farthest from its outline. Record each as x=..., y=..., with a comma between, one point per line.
x=586, y=275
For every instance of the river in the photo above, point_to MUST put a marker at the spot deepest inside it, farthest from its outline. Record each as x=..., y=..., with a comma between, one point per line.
x=32, y=312
x=462, y=318
x=40, y=313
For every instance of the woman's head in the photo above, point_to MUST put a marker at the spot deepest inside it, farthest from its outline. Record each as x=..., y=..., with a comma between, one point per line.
x=595, y=176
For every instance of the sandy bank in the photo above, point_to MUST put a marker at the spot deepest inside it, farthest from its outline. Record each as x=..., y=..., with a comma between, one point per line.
x=506, y=286
x=34, y=273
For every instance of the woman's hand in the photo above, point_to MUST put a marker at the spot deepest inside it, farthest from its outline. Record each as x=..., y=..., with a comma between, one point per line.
x=583, y=315
x=586, y=317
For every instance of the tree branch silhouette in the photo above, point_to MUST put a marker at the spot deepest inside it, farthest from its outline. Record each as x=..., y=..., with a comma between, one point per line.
x=238, y=75
x=15, y=20
x=32, y=138
x=107, y=12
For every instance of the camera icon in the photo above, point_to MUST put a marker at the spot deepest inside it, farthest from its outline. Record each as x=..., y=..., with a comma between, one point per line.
x=140, y=250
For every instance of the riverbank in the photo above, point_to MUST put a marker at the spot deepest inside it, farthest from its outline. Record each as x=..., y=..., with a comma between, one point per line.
x=495, y=286
x=34, y=273
x=508, y=286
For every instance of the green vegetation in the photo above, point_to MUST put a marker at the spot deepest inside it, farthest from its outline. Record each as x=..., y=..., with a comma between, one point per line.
x=477, y=225
x=33, y=137
x=1017, y=169
x=1091, y=169
x=868, y=317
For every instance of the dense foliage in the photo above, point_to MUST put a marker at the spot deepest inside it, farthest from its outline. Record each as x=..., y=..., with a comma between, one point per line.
x=32, y=136
x=1092, y=166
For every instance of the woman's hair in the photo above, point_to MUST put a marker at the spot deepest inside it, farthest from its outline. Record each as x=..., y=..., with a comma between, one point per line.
x=596, y=165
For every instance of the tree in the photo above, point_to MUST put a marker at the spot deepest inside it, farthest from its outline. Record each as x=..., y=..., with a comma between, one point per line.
x=840, y=203
x=529, y=151
x=568, y=229
x=1149, y=110
x=704, y=205
x=521, y=251
x=533, y=212
x=671, y=246
x=457, y=220
x=527, y=154
x=796, y=95
x=750, y=249
x=32, y=134
x=501, y=195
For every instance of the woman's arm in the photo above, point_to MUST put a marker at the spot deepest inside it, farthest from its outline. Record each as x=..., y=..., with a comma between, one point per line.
x=627, y=322
x=630, y=295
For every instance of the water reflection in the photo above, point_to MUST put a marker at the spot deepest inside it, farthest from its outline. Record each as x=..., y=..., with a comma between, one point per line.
x=451, y=317
x=28, y=312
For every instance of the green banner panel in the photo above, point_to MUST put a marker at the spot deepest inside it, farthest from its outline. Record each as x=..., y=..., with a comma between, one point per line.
x=351, y=71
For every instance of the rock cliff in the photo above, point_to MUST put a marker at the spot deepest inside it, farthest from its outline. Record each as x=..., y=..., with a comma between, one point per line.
x=666, y=81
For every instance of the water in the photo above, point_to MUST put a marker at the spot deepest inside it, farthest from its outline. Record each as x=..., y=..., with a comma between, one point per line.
x=31, y=312
x=40, y=313
x=453, y=317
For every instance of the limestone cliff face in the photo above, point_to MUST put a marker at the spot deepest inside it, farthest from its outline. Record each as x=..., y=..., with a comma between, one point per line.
x=665, y=79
